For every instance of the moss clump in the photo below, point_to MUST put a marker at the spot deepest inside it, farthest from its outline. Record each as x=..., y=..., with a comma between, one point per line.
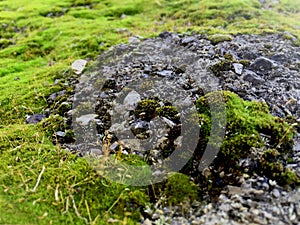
x=169, y=112
x=180, y=189
x=4, y=43
x=52, y=124
x=226, y=64
x=217, y=38
x=246, y=122
x=147, y=108
x=271, y=163
x=223, y=65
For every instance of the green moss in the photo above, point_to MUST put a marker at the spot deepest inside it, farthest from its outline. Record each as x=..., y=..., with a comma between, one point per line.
x=180, y=189
x=223, y=65
x=246, y=122
x=169, y=112
x=4, y=43
x=217, y=38
x=272, y=165
x=52, y=124
x=148, y=107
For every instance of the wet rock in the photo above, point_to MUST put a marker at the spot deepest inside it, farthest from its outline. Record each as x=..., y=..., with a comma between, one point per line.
x=35, y=118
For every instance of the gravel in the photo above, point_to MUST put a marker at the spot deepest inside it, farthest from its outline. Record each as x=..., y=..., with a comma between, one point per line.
x=267, y=69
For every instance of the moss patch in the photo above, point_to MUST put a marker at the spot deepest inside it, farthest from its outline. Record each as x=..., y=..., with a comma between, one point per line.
x=248, y=125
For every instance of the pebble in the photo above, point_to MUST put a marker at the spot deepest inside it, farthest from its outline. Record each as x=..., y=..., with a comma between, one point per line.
x=35, y=118
x=78, y=66
x=276, y=193
x=238, y=68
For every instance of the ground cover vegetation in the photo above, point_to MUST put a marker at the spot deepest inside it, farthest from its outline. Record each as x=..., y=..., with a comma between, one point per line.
x=38, y=42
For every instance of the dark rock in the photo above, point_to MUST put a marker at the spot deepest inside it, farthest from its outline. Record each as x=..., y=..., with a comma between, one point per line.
x=279, y=57
x=139, y=127
x=53, y=96
x=247, y=55
x=165, y=35
x=262, y=65
x=35, y=118
x=253, y=78
x=109, y=84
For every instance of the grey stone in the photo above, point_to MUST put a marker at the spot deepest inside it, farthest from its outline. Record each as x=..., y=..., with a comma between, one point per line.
x=238, y=68
x=86, y=119
x=262, y=65
x=131, y=100
x=139, y=127
x=164, y=73
x=35, y=118
x=253, y=78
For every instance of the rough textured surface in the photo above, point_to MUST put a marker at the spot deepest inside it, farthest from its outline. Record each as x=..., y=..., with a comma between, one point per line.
x=262, y=68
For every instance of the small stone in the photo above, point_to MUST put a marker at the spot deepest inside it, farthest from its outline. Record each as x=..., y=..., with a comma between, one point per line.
x=217, y=38
x=164, y=73
x=131, y=100
x=169, y=122
x=35, y=118
x=114, y=146
x=78, y=66
x=17, y=78
x=133, y=40
x=60, y=133
x=257, y=192
x=139, y=127
x=95, y=152
x=272, y=182
x=255, y=211
x=222, y=174
x=123, y=16
x=147, y=222
x=276, y=193
x=206, y=172
x=238, y=68
x=86, y=119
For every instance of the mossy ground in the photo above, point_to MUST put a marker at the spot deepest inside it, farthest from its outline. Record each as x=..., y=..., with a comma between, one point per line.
x=249, y=125
x=39, y=41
